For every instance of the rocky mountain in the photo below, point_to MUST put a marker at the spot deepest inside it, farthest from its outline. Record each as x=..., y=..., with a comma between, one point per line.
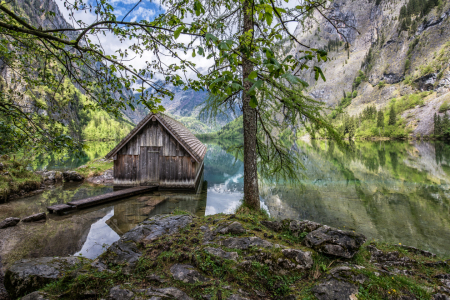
x=382, y=51
x=185, y=107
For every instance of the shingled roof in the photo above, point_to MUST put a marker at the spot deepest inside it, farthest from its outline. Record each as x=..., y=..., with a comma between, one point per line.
x=190, y=143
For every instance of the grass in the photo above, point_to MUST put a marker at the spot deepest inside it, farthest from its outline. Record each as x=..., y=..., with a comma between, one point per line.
x=226, y=277
x=15, y=177
x=95, y=168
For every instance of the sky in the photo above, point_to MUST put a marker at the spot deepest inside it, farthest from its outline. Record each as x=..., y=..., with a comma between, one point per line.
x=146, y=10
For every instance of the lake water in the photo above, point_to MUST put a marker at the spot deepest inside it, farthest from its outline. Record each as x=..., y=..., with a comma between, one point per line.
x=390, y=191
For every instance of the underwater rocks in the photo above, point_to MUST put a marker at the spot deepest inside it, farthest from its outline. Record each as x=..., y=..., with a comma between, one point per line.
x=9, y=222
x=334, y=241
x=35, y=218
x=29, y=275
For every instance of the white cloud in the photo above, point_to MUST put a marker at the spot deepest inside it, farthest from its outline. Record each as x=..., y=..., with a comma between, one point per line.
x=143, y=13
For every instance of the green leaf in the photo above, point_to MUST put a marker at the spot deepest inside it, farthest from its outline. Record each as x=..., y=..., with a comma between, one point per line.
x=269, y=17
x=177, y=32
x=253, y=75
x=253, y=102
x=200, y=51
x=318, y=72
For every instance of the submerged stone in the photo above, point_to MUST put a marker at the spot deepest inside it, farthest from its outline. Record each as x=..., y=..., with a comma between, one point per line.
x=28, y=275
x=35, y=217
x=334, y=241
x=9, y=222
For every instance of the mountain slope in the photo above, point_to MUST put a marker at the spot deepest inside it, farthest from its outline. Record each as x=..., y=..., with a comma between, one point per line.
x=399, y=51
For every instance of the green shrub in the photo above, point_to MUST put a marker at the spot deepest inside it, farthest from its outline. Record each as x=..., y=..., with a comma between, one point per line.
x=444, y=106
x=381, y=84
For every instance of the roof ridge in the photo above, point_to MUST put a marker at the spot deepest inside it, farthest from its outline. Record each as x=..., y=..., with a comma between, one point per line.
x=181, y=133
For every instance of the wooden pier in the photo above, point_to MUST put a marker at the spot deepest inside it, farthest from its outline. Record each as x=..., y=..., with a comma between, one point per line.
x=88, y=202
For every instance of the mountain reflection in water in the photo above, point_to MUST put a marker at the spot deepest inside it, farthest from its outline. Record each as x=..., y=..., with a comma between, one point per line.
x=390, y=191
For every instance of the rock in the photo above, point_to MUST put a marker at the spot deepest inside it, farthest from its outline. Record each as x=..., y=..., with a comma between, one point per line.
x=334, y=241
x=35, y=296
x=72, y=176
x=303, y=226
x=245, y=243
x=167, y=293
x=237, y=297
x=273, y=225
x=334, y=289
x=156, y=278
x=1, y=166
x=99, y=265
x=9, y=222
x=233, y=228
x=439, y=296
x=417, y=251
x=116, y=293
x=303, y=258
x=125, y=250
x=51, y=176
x=35, y=218
x=166, y=226
x=221, y=253
x=389, y=259
x=107, y=177
x=186, y=273
x=28, y=275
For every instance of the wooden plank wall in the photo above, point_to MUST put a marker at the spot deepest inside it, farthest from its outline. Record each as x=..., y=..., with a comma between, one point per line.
x=177, y=168
x=126, y=168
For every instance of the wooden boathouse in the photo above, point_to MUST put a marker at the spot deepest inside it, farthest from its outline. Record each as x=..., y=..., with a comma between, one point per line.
x=159, y=151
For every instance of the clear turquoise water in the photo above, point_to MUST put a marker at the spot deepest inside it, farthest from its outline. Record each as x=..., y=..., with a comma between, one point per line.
x=389, y=191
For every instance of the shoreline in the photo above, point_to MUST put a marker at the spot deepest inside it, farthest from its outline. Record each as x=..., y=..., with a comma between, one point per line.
x=219, y=255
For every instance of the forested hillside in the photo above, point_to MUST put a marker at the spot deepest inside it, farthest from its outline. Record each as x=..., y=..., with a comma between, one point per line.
x=72, y=112
x=390, y=56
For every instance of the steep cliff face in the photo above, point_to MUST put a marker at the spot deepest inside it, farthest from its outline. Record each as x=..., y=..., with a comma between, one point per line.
x=67, y=105
x=399, y=51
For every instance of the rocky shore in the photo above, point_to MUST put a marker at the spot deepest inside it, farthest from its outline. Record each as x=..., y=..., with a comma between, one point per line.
x=239, y=256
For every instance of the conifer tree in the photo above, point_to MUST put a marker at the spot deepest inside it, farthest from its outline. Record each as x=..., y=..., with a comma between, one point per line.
x=380, y=120
x=392, y=116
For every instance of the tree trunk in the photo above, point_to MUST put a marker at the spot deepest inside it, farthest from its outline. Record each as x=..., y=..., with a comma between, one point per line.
x=251, y=192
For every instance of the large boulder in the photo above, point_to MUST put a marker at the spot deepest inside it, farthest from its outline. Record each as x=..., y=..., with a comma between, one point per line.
x=276, y=226
x=28, y=275
x=334, y=241
x=51, y=177
x=9, y=222
x=72, y=176
x=35, y=218
x=297, y=227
